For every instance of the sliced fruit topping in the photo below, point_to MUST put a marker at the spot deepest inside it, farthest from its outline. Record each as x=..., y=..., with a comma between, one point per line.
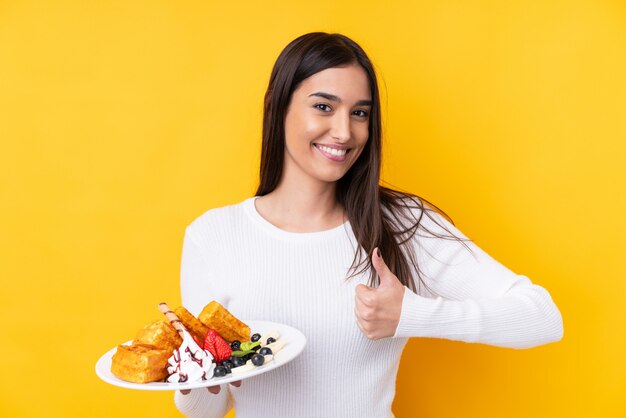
x=276, y=346
x=217, y=346
x=274, y=335
x=244, y=368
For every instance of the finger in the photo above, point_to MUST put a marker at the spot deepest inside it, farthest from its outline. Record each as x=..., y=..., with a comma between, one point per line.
x=360, y=307
x=185, y=391
x=358, y=322
x=363, y=328
x=357, y=314
x=236, y=383
x=378, y=262
x=363, y=294
x=365, y=320
x=214, y=389
x=361, y=289
x=385, y=276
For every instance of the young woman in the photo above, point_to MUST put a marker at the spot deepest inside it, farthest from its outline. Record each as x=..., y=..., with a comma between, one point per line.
x=357, y=267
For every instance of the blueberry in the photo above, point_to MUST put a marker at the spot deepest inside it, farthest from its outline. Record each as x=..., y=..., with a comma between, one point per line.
x=238, y=361
x=228, y=365
x=256, y=348
x=255, y=337
x=235, y=345
x=219, y=371
x=258, y=359
x=271, y=340
x=265, y=351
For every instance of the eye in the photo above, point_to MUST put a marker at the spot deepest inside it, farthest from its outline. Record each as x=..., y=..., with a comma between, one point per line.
x=361, y=113
x=323, y=107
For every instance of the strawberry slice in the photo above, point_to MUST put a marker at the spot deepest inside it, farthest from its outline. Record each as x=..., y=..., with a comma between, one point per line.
x=217, y=346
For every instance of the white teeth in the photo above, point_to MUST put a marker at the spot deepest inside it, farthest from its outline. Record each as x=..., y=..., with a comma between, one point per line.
x=333, y=151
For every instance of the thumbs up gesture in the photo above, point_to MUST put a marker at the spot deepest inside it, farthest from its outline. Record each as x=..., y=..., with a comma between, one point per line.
x=378, y=309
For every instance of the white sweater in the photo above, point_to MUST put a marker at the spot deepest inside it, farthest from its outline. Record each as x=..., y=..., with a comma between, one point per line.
x=258, y=271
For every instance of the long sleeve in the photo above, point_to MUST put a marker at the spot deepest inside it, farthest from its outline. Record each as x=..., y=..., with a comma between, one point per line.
x=196, y=291
x=474, y=298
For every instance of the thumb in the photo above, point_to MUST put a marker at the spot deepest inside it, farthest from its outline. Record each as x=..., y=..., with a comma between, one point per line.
x=385, y=276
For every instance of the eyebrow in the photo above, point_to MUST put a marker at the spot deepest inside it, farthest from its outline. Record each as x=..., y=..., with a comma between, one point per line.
x=334, y=98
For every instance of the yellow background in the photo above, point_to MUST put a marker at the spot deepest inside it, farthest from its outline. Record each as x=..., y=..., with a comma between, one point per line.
x=122, y=121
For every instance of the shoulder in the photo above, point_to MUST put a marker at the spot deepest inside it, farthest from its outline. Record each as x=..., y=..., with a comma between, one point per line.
x=216, y=221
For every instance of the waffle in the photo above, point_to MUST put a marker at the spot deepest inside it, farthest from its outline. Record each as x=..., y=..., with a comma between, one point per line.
x=196, y=328
x=159, y=334
x=215, y=316
x=140, y=363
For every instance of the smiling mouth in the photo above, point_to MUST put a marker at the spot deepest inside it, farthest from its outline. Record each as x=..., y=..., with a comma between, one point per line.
x=332, y=153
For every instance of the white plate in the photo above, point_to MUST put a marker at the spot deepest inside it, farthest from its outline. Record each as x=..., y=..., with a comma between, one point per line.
x=294, y=344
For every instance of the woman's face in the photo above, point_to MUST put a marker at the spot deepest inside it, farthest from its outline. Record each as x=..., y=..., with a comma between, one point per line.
x=327, y=123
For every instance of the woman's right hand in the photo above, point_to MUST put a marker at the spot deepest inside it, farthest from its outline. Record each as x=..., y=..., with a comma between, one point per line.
x=213, y=389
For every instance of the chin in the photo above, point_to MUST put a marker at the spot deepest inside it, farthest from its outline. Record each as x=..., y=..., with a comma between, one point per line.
x=331, y=178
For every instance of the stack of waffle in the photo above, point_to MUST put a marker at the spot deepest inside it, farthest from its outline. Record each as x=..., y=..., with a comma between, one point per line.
x=147, y=358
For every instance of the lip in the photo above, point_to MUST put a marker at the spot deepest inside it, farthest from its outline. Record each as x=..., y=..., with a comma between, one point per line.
x=331, y=157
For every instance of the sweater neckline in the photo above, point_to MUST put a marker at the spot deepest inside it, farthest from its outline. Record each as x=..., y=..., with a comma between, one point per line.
x=272, y=229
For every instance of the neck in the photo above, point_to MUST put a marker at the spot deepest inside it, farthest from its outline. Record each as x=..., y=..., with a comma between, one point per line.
x=302, y=205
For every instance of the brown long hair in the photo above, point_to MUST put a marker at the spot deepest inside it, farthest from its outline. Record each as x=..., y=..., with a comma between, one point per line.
x=377, y=214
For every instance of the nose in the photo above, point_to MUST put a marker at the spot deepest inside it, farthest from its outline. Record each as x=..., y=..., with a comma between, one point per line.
x=340, y=129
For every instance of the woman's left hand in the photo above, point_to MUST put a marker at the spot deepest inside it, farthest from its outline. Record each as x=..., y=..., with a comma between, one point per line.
x=378, y=309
